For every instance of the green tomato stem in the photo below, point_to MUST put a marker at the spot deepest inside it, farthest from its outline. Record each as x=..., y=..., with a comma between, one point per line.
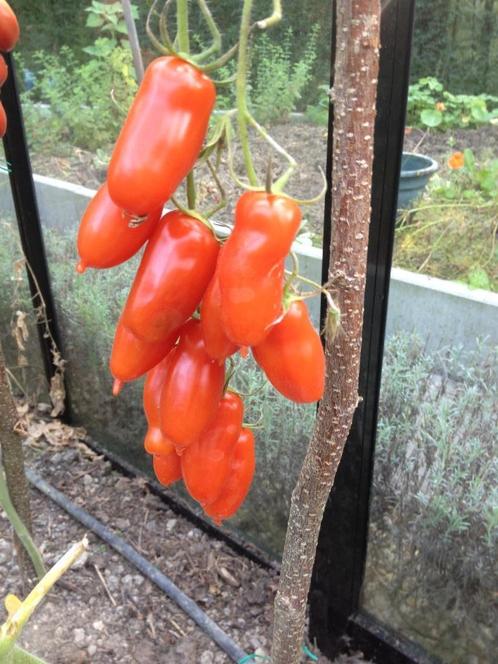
x=20, y=529
x=20, y=656
x=182, y=25
x=276, y=16
x=241, y=92
x=12, y=628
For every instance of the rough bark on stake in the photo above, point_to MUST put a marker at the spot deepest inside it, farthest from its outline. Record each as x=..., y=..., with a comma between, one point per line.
x=13, y=463
x=354, y=95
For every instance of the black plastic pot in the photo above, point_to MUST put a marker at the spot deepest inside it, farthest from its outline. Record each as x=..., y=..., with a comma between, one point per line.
x=416, y=171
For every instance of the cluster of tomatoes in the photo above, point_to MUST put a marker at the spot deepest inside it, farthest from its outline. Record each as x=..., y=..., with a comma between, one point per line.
x=194, y=301
x=9, y=35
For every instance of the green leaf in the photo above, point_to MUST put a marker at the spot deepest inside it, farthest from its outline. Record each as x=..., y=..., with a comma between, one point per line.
x=121, y=27
x=94, y=21
x=479, y=113
x=478, y=278
x=469, y=160
x=431, y=117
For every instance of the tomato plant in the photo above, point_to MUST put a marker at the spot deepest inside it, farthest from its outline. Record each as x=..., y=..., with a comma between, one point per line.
x=162, y=135
x=3, y=121
x=167, y=468
x=239, y=481
x=4, y=70
x=193, y=389
x=195, y=301
x=206, y=463
x=9, y=27
x=132, y=357
x=175, y=271
x=251, y=269
x=218, y=345
x=292, y=356
x=107, y=236
x=155, y=441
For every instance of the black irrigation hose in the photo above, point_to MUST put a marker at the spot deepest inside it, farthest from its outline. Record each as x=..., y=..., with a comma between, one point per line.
x=207, y=625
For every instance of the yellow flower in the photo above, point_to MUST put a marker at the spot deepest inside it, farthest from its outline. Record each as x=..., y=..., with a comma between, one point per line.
x=440, y=106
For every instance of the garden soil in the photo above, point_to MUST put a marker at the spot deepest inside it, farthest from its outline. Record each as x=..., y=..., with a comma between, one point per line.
x=308, y=144
x=104, y=610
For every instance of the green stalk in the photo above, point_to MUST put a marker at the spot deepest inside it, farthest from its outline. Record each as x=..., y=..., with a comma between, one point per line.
x=182, y=26
x=184, y=47
x=241, y=91
x=20, y=656
x=12, y=628
x=20, y=529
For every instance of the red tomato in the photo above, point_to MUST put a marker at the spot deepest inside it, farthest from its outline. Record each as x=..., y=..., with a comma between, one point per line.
x=218, y=345
x=105, y=238
x=167, y=468
x=251, y=269
x=292, y=356
x=155, y=442
x=9, y=27
x=192, y=391
x=4, y=70
x=162, y=136
x=239, y=481
x=3, y=121
x=175, y=271
x=131, y=357
x=206, y=463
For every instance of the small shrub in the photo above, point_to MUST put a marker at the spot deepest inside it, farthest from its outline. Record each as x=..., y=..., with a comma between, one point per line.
x=434, y=507
x=79, y=104
x=319, y=113
x=278, y=83
x=430, y=106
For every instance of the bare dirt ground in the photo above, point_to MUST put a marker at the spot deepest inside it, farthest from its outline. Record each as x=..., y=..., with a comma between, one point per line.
x=306, y=142
x=106, y=611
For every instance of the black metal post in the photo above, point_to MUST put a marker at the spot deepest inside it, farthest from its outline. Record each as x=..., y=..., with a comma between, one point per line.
x=335, y=601
x=28, y=218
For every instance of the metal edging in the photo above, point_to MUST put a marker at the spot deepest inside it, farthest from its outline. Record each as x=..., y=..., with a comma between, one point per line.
x=342, y=548
x=28, y=217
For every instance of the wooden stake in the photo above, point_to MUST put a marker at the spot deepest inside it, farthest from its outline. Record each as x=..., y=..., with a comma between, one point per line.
x=354, y=94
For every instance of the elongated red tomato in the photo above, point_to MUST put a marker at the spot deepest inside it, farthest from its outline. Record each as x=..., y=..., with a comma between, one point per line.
x=105, y=236
x=131, y=357
x=292, y=356
x=155, y=441
x=175, y=271
x=218, y=345
x=239, y=480
x=162, y=136
x=192, y=391
x=9, y=27
x=251, y=269
x=3, y=121
x=206, y=463
x=167, y=468
x=4, y=70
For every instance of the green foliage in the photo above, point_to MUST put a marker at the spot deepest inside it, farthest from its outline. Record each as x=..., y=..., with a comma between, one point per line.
x=457, y=41
x=277, y=82
x=79, y=104
x=109, y=20
x=319, y=113
x=433, y=511
x=431, y=106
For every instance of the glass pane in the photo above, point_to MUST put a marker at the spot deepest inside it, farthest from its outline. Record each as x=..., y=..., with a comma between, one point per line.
x=77, y=89
x=19, y=333
x=433, y=530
